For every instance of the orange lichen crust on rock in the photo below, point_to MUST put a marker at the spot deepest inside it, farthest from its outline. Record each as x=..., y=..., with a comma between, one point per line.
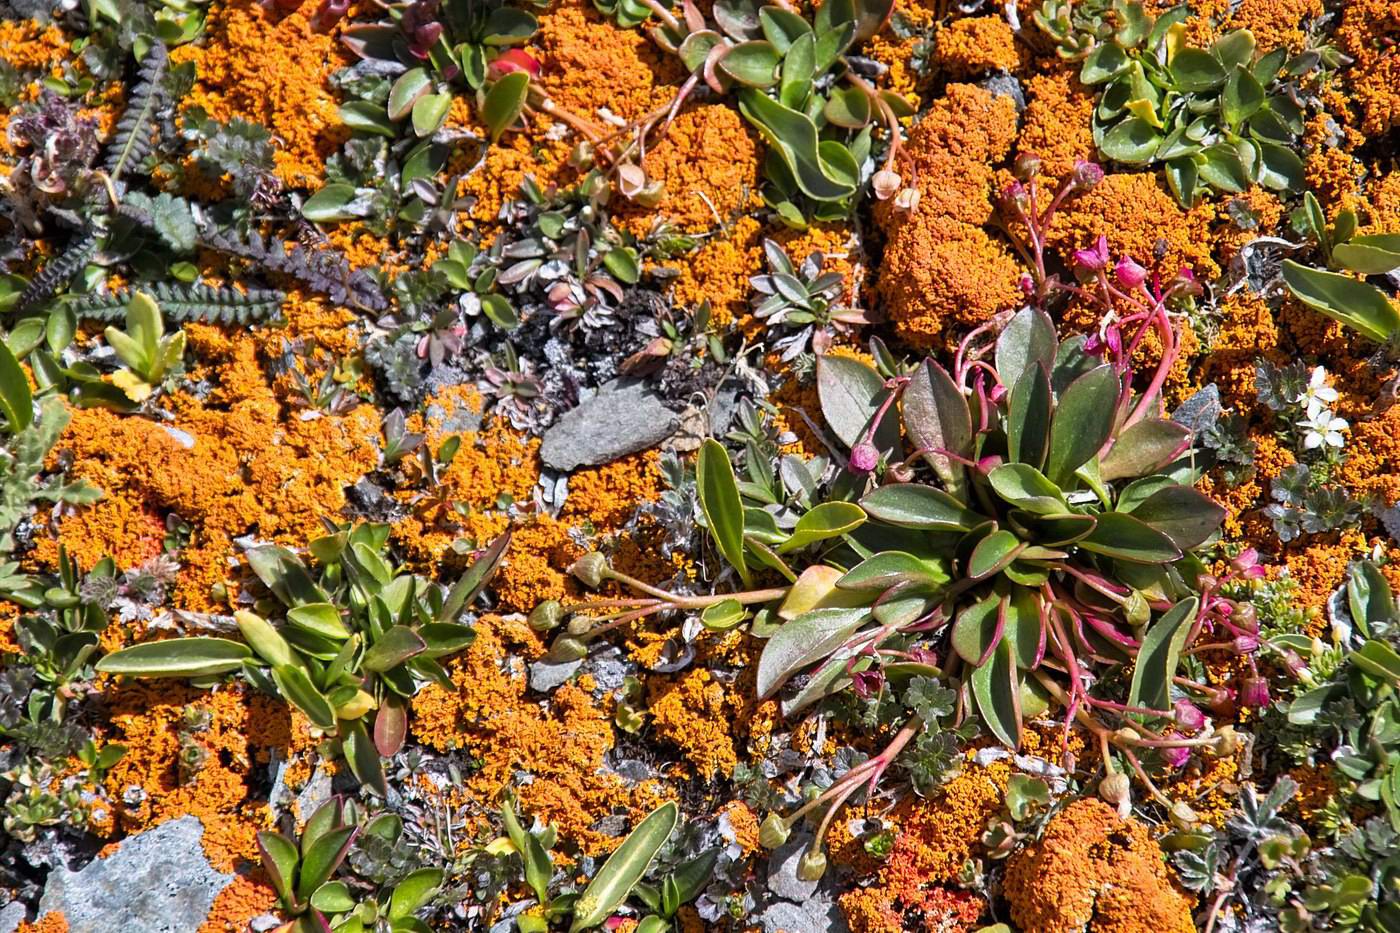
x=561, y=746
x=1092, y=870
x=230, y=733
x=1142, y=220
x=941, y=268
x=1368, y=31
x=271, y=70
x=976, y=44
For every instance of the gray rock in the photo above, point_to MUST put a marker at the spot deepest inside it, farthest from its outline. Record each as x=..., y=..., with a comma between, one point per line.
x=818, y=915
x=546, y=675
x=623, y=418
x=1201, y=411
x=782, y=870
x=11, y=916
x=156, y=882
x=316, y=792
x=1004, y=85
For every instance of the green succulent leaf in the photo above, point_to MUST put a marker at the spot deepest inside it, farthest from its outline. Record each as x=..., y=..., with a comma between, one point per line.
x=978, y=630
x=1083, y=422
x=752, y=64
x=892, y=568
x=504, y=102
x=1143, y=447
x=1185, y=515
x=323, y=859
x=850, y=393
x=803, y=641
x=827, y=520
x=333, y=897
x=997, y=692
x=414, y=891
x=1127, y=538
x=321, y=618
x=1133, y=141
x=393, y=648
x=296, y=687
x=363, y=757
x=1358, y=305
x=719, y=500
x=16, y=400
x=939, y=422
x=624, y=868
x=1159, y=655
x=1027, y=340
x=823, y=172
x=1197, y=70
x=1025, y=487
x=1372, y=254
x=993, y=553
x=913, y=505
x=177, y=657
x=1028, y=413
x=279, y=859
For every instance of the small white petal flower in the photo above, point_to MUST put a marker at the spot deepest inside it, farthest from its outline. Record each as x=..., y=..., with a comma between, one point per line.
x=1323, y=427
x=1318, y=389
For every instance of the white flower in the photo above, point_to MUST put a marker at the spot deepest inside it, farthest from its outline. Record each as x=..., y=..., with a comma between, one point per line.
x=1323, y=427
x=1318, y=389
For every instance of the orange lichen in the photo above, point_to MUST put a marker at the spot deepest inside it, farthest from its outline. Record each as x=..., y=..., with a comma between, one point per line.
x=1367, y=32
x=608, y=495
x=240, y=901
x=941, y=268
x=591, y=66
x=1093, y=870
x=720, y=270
x=1141, y=219
x=28, y=46
x=226, y=472
x=1055, y=125
x=114, y=527
x=976, y=44
x=695, y=712
x=271, y=70
x=234, y=730
x=51, y=922
x=489, y=717
x=708, y=163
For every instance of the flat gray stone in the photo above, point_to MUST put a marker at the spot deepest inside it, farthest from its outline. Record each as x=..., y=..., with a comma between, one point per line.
x=156, y=882
x=782, y=870
x=1201, y=411
x=819, y=915
x=623, y=418
x=11, y=916
x=546, y=675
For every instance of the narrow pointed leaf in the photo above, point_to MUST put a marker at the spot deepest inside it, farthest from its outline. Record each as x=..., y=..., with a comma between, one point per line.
x=1083, y=421
x=1158, y=657
x=997, y=692
x=937, y=419
x=803, y=641
x=624, y=868
x=177, y=657
x=719, y=500
x=827, y=520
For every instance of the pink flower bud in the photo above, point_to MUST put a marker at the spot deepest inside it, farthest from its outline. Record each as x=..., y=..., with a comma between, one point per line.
x=1254, y=692
x=864, y=457
x=1247, y=564
x=1014, y=199
x=1129, y=274
x=1093, y=258
x=1176, y=757
x=1027, y=284
x=866, y=684
x=1246, y=644
x=998, y=393
x=1185, y=282
x=424, y=38
x=514, y=60
x=1087, y=174
x=1294, y=662
x=1189, y=716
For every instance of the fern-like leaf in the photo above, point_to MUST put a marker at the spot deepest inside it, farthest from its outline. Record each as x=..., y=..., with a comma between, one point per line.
x=325, y=271
x=185, y=303
x=55, y=274
x=132, y=143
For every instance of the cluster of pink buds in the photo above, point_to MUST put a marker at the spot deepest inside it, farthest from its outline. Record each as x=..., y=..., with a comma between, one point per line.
x=421, y=26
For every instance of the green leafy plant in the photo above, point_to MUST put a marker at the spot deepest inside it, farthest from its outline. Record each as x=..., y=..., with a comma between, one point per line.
x=610, y=886
x=358, y=636
x=149, y=353
x=1340, y=296
x=1217, y=119
x=800, y=303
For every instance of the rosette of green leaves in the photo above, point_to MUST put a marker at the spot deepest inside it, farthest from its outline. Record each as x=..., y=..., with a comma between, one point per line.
x=355, y=636
x=1345, y=298
x=1218, y=119
x=787, y=71
x=1039, y=527
x=1079, y=27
